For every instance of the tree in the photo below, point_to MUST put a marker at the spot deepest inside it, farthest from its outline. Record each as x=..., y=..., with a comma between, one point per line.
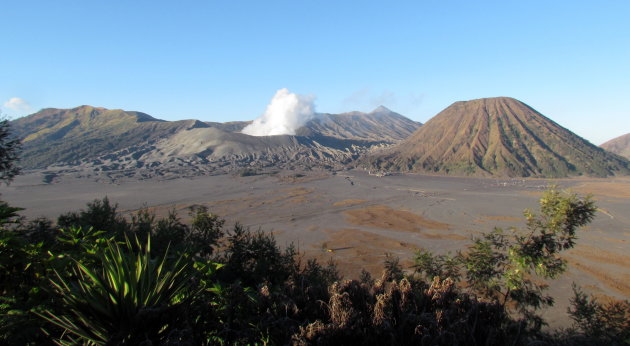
x=9, y=149
x=510, y=268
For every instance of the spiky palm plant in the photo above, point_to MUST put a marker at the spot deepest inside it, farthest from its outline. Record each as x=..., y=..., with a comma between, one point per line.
x=131, y=298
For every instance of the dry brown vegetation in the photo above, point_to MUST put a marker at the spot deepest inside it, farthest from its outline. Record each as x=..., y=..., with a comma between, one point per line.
x=400, y=313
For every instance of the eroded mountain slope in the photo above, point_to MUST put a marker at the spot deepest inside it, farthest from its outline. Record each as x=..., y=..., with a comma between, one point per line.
x=497, y=137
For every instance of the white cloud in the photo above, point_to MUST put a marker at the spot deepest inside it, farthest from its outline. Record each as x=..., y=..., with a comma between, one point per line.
x=357, y=98
x=386, y=98
x=415, y=100
x=18, y=105
x=366, y=99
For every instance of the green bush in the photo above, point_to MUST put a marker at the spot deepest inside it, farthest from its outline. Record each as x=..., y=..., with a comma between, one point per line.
x=597, y=323
x=131, y=299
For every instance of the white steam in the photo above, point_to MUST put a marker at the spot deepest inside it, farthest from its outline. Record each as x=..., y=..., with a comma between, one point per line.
x=285, y=114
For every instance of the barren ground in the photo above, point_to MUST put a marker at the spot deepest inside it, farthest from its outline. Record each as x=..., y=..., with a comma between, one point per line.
x=356, y=219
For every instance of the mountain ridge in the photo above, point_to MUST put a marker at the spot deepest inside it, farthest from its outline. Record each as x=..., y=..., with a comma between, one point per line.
x=484, y=137
x=103, y=139
x=362, y=126
x=67, y=135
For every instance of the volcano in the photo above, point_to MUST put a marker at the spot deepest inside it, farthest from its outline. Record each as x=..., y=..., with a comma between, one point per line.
x=619, y=145
x=497, y=137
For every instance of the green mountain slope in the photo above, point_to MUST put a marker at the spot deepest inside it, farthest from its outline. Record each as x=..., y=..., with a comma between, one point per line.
x=497, y=137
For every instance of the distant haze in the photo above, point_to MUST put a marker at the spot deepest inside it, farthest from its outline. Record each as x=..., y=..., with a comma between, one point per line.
x=286, y=113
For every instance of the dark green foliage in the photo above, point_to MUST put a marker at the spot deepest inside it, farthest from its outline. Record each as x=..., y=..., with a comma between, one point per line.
x=553, y=231
x=485, y=263
x=142, y=223
x=246, y=302
x=393, y=269
x=33, y=252
x=23, y=268
x=167, y=230
x=131, y=297
x=8, y=214
x=100, y=214
x=247, y=172
x=261, y=292
x=430, y=265
x=206, y=229
x=254, y=258
x=9, y=149
x=366, y=278
x=22, y=285
x=198, y=239
x=597, y=323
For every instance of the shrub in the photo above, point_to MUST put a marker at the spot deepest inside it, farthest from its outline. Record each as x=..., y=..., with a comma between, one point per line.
x=99, y=214
x=247, y=172
x=129, y=300
x=404, y=313
x=597, y=323
x=9, y=149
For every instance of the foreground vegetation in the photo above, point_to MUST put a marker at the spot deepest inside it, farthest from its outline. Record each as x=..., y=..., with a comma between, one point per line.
x=96, y=278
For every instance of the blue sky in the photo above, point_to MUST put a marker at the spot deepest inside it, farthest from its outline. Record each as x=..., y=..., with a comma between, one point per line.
x=222, y=61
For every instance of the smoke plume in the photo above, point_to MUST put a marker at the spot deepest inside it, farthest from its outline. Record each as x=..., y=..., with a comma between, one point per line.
x=285, y=114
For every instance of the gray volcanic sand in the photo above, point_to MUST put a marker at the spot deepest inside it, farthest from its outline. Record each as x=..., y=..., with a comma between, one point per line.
x=354, y=218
